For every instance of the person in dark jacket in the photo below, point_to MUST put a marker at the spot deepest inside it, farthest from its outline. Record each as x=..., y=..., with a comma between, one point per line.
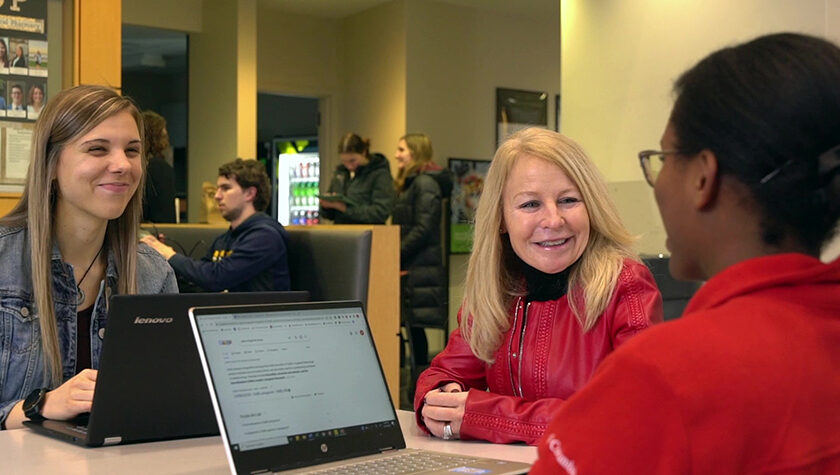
x=421, y=184
x=159, y=197
x=361, y=191
x=252, y=255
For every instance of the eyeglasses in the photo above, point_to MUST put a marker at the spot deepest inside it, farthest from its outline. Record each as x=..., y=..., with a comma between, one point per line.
x=651, y=168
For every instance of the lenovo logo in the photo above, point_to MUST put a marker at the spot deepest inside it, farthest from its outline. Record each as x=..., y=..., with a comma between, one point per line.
x=144, y=321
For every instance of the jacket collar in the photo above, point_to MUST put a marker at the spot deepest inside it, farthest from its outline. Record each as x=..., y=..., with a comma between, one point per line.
x=760, y=273
x=110, y=268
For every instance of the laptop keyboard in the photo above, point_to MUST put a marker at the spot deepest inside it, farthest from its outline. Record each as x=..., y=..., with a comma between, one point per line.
x=410, y=462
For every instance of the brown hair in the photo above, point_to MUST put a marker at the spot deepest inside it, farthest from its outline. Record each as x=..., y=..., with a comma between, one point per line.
x=248, y=173
x=32, y=92
x=352, y=143
x=156, y=141
x=69, y=115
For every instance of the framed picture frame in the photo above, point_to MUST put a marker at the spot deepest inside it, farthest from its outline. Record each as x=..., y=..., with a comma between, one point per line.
x=557, y=109
x=468, y=182
x=517, y=109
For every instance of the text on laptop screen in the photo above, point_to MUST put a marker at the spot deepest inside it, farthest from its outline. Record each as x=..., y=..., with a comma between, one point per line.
x=289, y=375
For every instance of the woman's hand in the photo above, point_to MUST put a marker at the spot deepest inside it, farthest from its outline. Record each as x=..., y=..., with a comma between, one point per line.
x=72, y=398
x=336, y=205
x=444, y=405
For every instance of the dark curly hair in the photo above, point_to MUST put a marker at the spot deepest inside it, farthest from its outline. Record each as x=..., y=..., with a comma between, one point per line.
x=248, y=173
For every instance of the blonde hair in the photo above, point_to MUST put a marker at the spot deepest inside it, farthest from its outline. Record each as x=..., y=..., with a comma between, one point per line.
x=420, y=147
x=68, y=116
x=493, y=279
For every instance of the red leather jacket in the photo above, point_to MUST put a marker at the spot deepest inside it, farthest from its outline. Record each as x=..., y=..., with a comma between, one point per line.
x=544, y=358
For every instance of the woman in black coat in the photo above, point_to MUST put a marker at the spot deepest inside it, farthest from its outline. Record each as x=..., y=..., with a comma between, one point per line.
x=421, y=185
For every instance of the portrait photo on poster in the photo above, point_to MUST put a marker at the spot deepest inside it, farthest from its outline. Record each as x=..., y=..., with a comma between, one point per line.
x=469, y=181
x=38, y=58
x=18, y=63
x=5, y=55
x=36, y=98
x=4, y=92
x=16, y=101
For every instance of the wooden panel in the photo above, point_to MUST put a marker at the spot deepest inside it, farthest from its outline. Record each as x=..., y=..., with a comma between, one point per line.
x=7, y=202
x=98, y=43
x=383, y=309
x=384, y=302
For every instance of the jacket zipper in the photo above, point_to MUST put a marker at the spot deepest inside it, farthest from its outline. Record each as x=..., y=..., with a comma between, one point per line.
x=511, y=354
x=521, y=346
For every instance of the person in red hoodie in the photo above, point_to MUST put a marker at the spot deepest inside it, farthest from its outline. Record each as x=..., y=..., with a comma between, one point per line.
x=552, y=288
x=748, y=185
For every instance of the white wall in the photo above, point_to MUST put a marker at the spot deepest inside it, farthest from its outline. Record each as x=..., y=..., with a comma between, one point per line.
x=620, y=58
x=297, y=54
x=181, y=15
x=456, y=58
x=373, y=73
x=222, y=93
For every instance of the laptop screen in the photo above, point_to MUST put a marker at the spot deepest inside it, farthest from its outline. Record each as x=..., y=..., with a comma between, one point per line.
x=297, y=377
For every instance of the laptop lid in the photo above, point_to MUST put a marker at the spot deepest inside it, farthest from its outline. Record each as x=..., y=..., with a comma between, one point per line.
x=295, y=385
x=150, y=384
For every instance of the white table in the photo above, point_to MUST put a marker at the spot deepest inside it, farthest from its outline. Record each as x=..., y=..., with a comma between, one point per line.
x=25, y=452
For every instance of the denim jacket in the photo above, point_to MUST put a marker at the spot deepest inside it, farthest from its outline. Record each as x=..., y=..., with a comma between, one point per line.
x=21, y=359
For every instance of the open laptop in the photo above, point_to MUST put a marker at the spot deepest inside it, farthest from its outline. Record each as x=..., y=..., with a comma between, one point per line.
x=300, y=385
x=150, y=384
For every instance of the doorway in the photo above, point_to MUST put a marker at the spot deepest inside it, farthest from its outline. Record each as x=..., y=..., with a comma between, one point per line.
x=289, y=125
x=155, y=74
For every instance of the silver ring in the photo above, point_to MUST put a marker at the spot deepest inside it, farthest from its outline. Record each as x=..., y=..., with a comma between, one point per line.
x=447, y=431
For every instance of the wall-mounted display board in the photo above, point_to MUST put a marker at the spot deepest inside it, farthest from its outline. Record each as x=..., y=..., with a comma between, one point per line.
x=24, y=57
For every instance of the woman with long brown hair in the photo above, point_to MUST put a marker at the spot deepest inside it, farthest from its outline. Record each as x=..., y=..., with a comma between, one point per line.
x=361, y=191
x=69, y=244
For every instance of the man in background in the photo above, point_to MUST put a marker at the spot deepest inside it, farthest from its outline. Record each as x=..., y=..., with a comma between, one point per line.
x=251, y=256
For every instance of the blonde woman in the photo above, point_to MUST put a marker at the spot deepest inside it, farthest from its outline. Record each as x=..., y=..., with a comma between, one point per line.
x=421, y=185
x=69, y=244
x=552, y=288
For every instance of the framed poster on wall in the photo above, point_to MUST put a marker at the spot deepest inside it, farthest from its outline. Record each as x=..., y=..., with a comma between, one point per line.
x=517, y=110
x=469, y=177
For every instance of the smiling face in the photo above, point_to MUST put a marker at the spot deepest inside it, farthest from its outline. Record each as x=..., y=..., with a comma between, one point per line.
x=544, y=215
x=403, y=155
x=37, y=96
x=99, y=172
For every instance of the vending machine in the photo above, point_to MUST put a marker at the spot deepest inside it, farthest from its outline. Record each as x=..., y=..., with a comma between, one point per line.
x=297, y=180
